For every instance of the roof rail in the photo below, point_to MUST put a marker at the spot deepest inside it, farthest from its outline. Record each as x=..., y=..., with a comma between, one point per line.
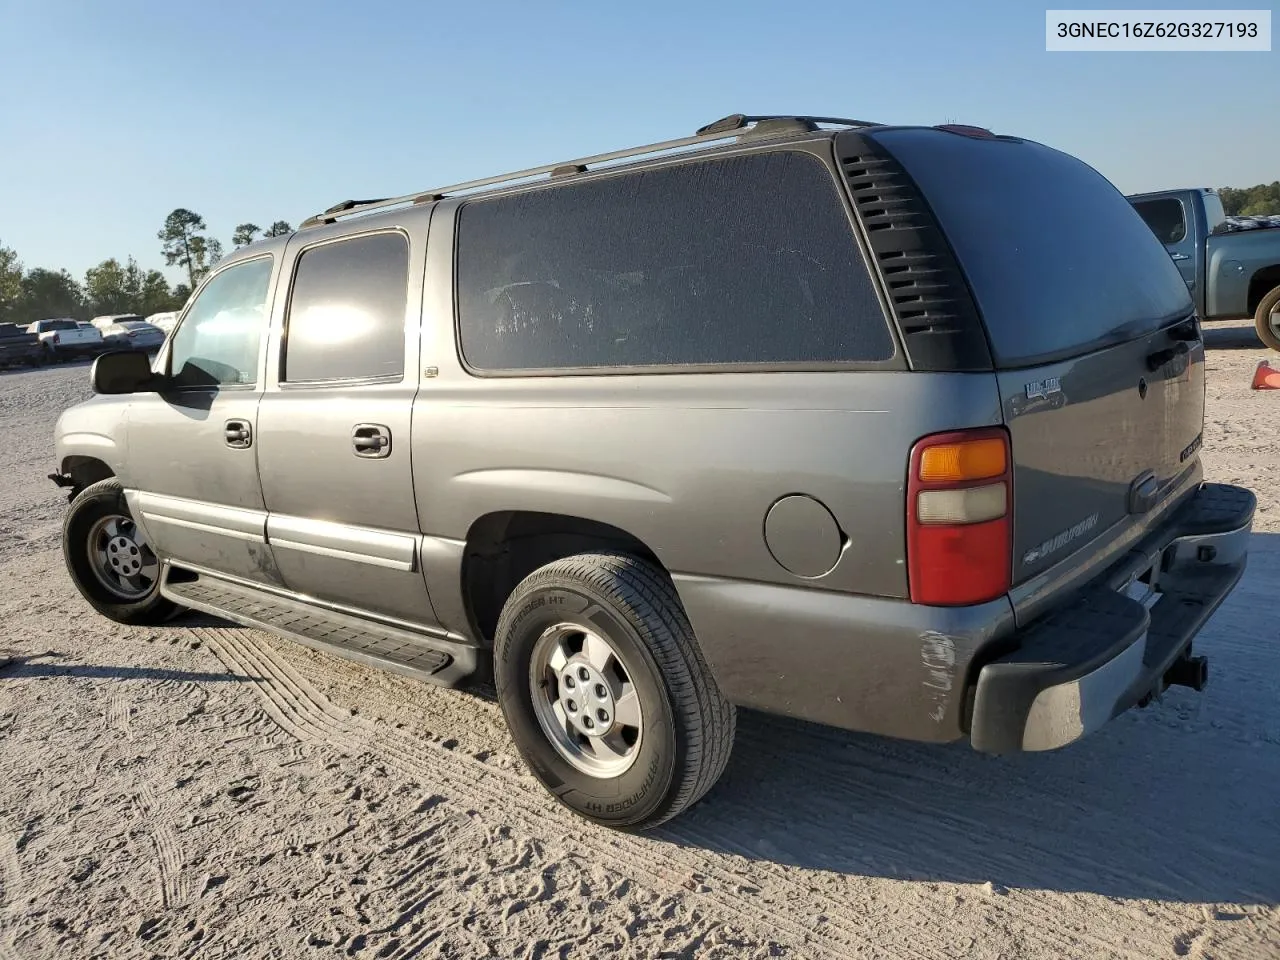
x=723, y=129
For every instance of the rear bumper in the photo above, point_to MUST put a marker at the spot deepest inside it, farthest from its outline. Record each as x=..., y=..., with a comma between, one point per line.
x=1105, y=650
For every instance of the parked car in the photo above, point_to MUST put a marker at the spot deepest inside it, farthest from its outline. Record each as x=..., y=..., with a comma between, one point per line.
x=66, y=339
x=1231, y=264
x=18, y=347
x=133, y=335
x=106, y=320
x=895, y=429
x=165, y=321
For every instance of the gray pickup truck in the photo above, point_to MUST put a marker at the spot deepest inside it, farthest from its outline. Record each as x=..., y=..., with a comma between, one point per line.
x=895, y=429
x=18, y=347
x=1231, y=264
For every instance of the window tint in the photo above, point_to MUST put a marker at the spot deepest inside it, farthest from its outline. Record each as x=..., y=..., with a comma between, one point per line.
x=346, y=313
x=745, y=260
x=217, y=341
x=1057, y=259
x=1164, y=217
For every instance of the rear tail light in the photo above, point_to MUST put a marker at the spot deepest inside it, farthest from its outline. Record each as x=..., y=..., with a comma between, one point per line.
x=56, y=339
x=959, y=528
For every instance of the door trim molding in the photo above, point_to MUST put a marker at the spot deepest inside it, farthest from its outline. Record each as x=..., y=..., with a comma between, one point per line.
x=379, y=548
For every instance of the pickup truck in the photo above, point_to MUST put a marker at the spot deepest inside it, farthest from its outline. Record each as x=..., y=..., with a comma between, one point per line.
x=63, y=338
x=17, y=347
x=1231, y=264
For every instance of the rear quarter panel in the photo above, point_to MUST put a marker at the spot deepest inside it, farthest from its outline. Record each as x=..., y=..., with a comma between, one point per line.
x=1232, y=261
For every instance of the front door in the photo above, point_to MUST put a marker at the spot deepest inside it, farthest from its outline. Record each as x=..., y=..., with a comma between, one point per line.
x=192, y=451
x=333, y=428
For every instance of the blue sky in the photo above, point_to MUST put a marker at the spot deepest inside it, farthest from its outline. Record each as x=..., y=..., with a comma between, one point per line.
x=113, y=113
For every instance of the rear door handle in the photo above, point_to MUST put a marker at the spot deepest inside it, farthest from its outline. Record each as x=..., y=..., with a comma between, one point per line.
x=238, y=434
x=1179, y=256
x=1143, y=493
x=371, y=441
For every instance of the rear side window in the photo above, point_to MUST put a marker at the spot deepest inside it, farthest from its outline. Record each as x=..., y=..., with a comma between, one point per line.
x=745, y=260
x=347, y=310
x=1059, y=261
x=1165, y=217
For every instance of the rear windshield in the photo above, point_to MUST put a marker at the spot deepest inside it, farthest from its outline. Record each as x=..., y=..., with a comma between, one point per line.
x=58, y=325
x=1059, y=261
x=9, y=330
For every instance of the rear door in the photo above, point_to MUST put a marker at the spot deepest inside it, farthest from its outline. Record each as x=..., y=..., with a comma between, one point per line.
x=1091, y=330
x=334, y=425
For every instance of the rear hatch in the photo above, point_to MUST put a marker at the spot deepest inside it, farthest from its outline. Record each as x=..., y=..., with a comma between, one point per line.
x=1091, y=332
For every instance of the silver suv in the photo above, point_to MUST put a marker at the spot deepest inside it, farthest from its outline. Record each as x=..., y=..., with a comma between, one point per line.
x=889, y=428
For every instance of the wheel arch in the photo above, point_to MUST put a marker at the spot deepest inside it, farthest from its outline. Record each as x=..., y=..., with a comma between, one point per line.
x=85, y=471
x=504, y=547
x=1261, y=283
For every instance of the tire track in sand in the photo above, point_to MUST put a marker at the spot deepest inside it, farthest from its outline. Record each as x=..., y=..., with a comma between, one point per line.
x=309, y=715
x=10, y=869
x=168, y=858
x=119, y=710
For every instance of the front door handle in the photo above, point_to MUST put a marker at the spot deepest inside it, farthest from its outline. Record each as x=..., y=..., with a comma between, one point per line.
x=371, y=441
x=238, y=434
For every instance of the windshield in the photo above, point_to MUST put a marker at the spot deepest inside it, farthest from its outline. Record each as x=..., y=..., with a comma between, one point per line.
x=1058, y=260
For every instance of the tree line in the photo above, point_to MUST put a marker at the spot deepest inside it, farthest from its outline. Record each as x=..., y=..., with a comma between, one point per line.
x=1251, y=201
x=41, y=293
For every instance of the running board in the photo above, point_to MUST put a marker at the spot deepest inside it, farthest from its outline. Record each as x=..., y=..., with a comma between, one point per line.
x=421, y=656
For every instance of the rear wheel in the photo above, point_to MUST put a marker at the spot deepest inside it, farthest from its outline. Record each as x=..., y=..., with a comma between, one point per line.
x=606, y=694
x=1267, y=319
x=108, y=558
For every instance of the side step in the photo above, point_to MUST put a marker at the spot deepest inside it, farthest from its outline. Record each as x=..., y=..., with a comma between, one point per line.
x=421, y=656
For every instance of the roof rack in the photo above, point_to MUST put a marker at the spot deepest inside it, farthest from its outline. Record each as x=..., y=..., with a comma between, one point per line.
x=728, y=127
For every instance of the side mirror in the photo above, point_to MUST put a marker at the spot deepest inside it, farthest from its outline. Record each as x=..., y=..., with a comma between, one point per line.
x=123, y=372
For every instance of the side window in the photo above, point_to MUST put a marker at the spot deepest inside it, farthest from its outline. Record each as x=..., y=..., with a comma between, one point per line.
x=347, y=310
x=1165, y=218
x=745, y=260
x=217, y=342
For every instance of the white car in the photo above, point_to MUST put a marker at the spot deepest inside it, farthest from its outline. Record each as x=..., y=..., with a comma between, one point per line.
x=105, y=321
x=165, y=321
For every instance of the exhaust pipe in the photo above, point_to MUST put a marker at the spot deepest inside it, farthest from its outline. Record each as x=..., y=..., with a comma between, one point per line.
x=1187, y=671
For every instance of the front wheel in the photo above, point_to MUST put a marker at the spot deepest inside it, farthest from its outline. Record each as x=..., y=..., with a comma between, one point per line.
x=1267, y=319
x=605, y=692
x=109, y=560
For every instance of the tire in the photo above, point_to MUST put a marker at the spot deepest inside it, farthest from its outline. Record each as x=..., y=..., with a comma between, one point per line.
x=90, y=516
x=686, y=726
x=1267, y=332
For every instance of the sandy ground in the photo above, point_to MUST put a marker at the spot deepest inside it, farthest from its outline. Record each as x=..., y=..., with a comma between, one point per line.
x=204, y=791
